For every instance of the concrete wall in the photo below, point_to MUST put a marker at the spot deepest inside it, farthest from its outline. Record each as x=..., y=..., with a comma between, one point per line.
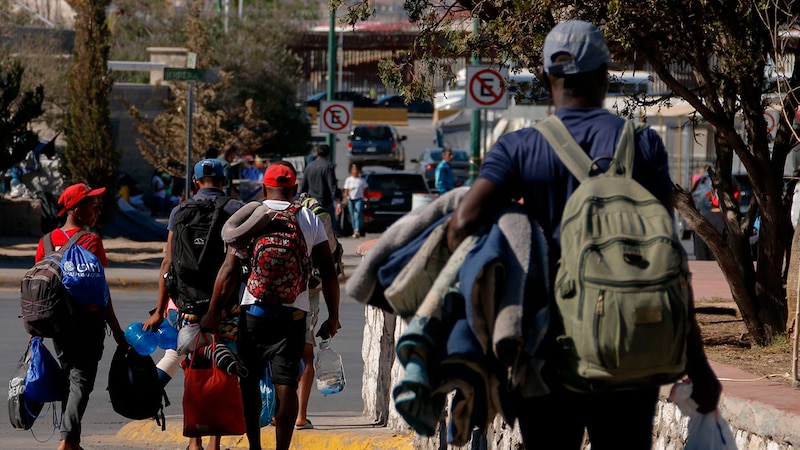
x=20, y=217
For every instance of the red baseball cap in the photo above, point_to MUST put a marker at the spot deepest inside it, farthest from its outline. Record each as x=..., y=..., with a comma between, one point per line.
x=75, y=193
x=280, y=175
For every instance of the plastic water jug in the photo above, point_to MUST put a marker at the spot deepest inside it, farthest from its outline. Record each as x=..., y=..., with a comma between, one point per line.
x=329, y=369
x=144, y=342
x=167, y=336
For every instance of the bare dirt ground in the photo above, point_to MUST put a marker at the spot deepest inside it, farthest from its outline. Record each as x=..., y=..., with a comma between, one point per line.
x=726, y=341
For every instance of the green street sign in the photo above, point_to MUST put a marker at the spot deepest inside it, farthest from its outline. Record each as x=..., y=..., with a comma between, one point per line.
x=191, y=75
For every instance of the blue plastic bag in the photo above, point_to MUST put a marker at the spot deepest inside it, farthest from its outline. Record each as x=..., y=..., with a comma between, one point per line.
x=267, y=398
x=83, y=276
x=43, y=380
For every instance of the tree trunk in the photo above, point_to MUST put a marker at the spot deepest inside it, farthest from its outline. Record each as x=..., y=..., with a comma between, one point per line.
x=754, y=292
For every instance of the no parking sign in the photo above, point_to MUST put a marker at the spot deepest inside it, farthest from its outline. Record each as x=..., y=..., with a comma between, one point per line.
x=486, y=88
x=335, y=117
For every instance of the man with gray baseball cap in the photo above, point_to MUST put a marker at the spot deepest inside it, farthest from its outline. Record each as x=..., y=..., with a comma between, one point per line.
x=523, y=166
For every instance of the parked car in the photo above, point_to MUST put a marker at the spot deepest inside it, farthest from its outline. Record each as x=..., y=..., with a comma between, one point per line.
x=399, y=101
x=389, y=197
x=430, y=159
x=701, y=194
x=376, y=144
x=359, y=100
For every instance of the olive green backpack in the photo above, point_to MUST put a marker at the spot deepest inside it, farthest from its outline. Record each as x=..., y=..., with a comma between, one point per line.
x=622, y=285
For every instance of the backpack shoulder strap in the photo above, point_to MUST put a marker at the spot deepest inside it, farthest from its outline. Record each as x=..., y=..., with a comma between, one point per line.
x=570, y=153
x=221, y=201
x=76, y=238
x=47, y=243
x=573, y=156
x=48, y=240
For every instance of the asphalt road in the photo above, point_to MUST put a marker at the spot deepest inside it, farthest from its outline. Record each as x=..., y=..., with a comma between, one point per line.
x=101, y=422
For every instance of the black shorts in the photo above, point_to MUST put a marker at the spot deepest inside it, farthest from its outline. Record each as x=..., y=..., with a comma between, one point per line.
x=279, y=336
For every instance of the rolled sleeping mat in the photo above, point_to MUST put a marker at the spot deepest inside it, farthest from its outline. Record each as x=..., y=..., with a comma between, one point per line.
x=246, y=224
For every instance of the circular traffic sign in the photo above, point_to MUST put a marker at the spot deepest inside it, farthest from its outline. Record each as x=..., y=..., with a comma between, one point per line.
x=336, y=117
x=487, y=87
x=770, y=122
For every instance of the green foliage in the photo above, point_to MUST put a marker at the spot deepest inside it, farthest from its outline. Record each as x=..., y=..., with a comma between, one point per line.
x=90, y=156
x=263, y=69
x=254, y=106
x=18, y=109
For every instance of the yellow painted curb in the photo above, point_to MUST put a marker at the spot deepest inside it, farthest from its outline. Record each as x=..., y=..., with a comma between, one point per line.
x=147, y=431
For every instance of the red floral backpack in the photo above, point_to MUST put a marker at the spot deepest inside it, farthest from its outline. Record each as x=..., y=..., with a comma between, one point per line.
x=281, y=266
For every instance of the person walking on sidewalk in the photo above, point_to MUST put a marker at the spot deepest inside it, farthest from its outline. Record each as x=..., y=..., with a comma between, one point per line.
x=445, y=180
x=271, y=328
x=523, y=166
x=354, y=187
x=79, y=350
x=192, y=292
x=306, y=382
x=319, y=182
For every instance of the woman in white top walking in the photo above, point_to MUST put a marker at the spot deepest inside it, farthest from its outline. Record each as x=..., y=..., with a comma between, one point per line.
x=354, y=188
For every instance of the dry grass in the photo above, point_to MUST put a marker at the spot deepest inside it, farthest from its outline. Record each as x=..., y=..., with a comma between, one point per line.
x=726, y=341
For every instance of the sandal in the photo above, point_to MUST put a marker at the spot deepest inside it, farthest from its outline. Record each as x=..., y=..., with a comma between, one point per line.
x=307, y=426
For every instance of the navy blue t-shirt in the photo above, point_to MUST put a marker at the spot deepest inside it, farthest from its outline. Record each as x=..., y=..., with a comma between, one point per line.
x=523, y=165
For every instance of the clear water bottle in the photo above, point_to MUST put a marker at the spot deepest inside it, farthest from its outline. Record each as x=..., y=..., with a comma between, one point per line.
x=144, y=342
x=329, y=369
x=167, y=336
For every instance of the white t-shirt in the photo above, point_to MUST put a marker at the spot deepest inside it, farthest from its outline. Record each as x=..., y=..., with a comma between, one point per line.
x=159, y=189
x=313, y=232
x=355, y=187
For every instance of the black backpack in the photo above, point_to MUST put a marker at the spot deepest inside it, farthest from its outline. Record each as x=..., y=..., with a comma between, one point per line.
x=46, y=307
x=134, y=387
x=197, y=253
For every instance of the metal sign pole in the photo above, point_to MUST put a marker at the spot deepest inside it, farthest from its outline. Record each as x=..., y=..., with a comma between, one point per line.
x=331, y=141
x=190, y=107
x=475, y=120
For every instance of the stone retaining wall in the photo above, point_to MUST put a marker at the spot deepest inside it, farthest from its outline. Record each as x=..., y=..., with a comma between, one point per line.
x=756, y=426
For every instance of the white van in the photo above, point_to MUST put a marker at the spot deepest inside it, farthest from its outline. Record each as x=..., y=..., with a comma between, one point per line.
x=628, y=83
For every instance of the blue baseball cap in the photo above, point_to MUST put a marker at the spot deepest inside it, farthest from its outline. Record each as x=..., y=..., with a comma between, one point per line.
x=578, y=39
x=208, y=168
